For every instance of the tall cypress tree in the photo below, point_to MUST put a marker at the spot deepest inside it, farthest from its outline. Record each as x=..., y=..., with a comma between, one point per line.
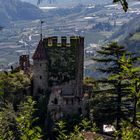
x=111, y=102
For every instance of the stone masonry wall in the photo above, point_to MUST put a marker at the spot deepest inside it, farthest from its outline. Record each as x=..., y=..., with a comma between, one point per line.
x=40, y=77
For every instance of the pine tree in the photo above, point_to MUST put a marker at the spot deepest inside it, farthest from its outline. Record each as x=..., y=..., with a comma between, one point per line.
x=111, y=103
x=131, y=73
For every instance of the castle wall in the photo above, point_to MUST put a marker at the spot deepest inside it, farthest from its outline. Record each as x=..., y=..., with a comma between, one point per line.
x=40, y=77
x=66, y=61
x=62, y=102
x=78, y=42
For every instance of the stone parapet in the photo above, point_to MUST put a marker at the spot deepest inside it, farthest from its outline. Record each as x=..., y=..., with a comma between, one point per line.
x=53, y=41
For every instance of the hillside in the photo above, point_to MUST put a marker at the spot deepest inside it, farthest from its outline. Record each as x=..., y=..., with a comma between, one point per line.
x=129, y=35
x=12, y=10
x=66, y=2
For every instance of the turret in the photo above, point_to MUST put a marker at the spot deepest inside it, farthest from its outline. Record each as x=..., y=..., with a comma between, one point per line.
x=24, y=63
x=40, y=70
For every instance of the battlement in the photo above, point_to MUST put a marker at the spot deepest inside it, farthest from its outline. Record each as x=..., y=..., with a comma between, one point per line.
x=65, y=41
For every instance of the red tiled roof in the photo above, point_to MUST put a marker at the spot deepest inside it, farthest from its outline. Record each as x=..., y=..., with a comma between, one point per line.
x=40, y=52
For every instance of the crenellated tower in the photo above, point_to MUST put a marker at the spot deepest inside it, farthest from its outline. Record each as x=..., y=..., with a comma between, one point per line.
x=58, y=66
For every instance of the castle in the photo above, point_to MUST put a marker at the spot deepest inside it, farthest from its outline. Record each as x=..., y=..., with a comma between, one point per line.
x=58, y=68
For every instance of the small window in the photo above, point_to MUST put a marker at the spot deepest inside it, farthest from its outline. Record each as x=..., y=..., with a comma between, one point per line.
x=72, y=101
x=66, y=101
x=40, y=77
x=24, y=64
x=78, y=100
x=40, y=65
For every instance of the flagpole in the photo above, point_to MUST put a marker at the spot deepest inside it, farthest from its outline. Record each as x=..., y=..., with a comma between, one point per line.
x=41, y=29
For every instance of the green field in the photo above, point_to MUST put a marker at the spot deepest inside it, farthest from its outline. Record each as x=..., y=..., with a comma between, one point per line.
x=136, y=36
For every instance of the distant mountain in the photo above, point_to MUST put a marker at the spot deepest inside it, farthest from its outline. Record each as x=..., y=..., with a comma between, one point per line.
x=67, y=2
x=12, y=10
x=129, y=35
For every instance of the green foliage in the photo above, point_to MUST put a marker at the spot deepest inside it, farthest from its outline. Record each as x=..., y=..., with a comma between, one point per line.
x=108, y=101
x=19, y=125
x=120, y=90
x=25, y=121
x=128, y=132
x=13, y=82
x=1, y=86
x=90, y=81
x=87, y=125
x=61, y=128
x=7, y=119
x=131, y=73
x=78, y=132
x=13, y=86
x=62, y=64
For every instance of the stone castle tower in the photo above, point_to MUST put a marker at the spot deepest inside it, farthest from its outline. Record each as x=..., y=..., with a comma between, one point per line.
x=58, y=67
x=40, y=70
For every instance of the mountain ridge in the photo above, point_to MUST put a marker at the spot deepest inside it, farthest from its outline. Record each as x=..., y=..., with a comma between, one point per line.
x=66, y=2
x=12, y=10
x=129, y=35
